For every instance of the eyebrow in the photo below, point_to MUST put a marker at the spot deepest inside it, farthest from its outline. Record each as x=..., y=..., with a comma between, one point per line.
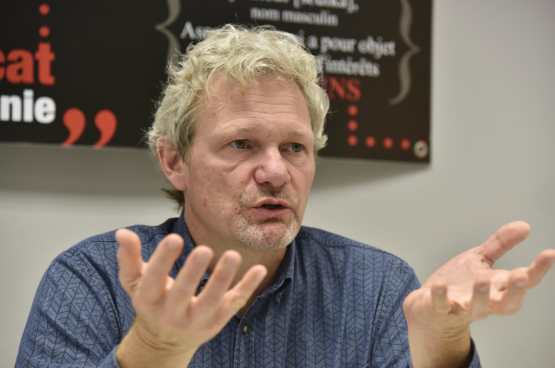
x=237, y=129
x=301, y=133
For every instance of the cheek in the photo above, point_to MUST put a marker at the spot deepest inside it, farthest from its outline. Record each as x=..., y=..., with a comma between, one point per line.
x=204, y=189
x=303, y=184
x=306, y=177
x=219, y=187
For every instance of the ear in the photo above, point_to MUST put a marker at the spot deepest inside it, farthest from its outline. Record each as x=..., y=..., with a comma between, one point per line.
x=172, y=163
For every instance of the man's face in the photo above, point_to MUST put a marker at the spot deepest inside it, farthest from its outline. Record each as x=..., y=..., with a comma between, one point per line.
x=251, y=166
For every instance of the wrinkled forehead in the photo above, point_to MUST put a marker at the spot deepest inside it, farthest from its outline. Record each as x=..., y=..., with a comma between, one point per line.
x=270, y=94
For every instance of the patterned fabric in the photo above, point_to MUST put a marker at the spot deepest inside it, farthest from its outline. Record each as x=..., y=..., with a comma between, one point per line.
x=334, y=303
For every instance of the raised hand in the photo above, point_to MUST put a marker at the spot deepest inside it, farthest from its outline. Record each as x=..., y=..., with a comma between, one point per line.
x=466, y=289
x=171, y=322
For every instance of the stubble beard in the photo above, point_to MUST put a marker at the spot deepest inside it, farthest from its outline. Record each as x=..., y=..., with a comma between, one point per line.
x=264, y=235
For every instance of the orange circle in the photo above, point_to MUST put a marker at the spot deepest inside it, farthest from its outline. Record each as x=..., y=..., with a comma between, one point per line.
x=352, y=140
x=44, y=9
x=352, y=125
x=405, y=144
x=370, y=141
x=388, y=143
x=44, y=31
x=352, y=110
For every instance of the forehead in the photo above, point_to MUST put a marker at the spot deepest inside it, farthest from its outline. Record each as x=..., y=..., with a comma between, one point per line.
x=263, y=99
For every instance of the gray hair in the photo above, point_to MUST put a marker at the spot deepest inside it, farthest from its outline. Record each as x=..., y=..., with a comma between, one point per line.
x=242, y=55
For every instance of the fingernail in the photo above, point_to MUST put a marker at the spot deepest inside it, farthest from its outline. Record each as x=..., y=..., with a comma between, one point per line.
x=172, y=245
x=230, y=262
x=520, y=284
x=440, y=291
x=202, y=258
x=259, y=277
x=483, y=289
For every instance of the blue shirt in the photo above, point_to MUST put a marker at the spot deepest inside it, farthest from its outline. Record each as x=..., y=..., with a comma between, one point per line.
x=334, y=303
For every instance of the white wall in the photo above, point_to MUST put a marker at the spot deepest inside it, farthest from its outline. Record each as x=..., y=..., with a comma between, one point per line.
x=493, y=150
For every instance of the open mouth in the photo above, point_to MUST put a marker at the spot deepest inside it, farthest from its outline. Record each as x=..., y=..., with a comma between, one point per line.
x=272, y=206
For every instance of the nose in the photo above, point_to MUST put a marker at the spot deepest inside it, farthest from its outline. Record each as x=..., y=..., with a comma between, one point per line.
x=272, y=169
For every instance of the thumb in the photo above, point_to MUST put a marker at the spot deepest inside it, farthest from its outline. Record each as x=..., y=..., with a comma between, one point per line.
x=503, y=240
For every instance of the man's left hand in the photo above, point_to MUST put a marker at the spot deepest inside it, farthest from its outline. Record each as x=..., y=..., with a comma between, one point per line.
x=466, y=289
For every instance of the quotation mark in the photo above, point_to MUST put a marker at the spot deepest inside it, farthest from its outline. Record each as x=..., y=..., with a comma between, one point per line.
x=75, y=121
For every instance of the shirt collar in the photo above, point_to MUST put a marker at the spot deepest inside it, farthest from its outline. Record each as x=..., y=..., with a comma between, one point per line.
x=180, y=228
x=286, y=269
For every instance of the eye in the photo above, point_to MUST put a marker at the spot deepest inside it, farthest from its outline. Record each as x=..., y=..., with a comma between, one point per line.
x=239, y=144
x=296, y=147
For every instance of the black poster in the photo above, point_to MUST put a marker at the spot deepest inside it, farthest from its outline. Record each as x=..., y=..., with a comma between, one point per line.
x=87, y=72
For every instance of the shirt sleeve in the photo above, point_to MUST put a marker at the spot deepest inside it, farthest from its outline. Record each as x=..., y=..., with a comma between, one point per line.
x=391, y=348
x=72, y=322
x=390, y=335
x=475, y=363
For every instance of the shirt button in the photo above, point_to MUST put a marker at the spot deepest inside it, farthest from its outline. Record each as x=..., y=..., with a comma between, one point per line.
x=245, y=329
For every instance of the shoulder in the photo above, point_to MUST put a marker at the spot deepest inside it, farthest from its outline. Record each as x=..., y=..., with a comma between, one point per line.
x=362, y=275
x=89, y=269
x=99, y=251
x=338, y=256
x=322, y=240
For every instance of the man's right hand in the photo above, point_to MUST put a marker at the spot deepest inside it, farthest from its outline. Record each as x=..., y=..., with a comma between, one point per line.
x=171, y=322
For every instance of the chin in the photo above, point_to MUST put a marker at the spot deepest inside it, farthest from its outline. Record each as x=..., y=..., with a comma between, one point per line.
x=268, y=236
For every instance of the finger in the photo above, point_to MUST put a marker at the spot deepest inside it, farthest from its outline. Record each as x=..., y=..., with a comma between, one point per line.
x=503, y=240
x=513, y=297
x=440, y=301
x=129, y=259
x=220, y=280
x=189, y=277
x=539, y=268
x=156, y=274
x=237, y=297
x=480, y=299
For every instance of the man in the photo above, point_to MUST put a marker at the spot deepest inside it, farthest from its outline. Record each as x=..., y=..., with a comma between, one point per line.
x=236, y=133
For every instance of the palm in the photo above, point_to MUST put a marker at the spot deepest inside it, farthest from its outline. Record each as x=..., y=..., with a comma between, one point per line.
x=171, y=322
x=466, y=288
